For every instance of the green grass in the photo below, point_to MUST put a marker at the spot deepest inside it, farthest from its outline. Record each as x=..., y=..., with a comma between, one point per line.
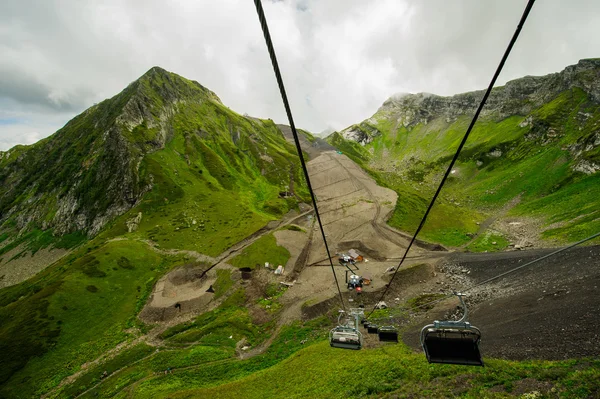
x=209, y=191
x=447, y=223
x=35, y=240
x=54, y=322
x=265, y=249
x=319, y=371
x=93, y=376
x=417, y=303
x=323, y=372
x=215, y=327
x=353, y=150
x=152, y=364
x=229, y=321
x=204, y=364
x=485, y=242
x=223, y=282
x=287, y=343
x=216, y=176
x=293, y=227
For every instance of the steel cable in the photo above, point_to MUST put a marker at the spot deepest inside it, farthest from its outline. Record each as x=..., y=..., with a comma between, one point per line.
x=464, y=140
x=269, y=43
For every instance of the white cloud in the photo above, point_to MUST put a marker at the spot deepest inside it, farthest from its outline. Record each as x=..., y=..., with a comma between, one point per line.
x=340, y=59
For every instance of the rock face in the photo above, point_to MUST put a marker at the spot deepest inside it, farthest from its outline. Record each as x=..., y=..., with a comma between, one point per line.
x=517, y=97
x=560, y=109
x=88, y=172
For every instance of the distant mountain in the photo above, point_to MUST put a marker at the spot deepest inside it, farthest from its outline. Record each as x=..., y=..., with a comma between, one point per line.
x=537, y=144
x=323, y=134
x=160, y=137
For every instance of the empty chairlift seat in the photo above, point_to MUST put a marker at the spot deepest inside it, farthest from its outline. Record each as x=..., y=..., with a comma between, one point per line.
x=345, y=337
x=452, y=342
x=372, y=328
x=387, y=334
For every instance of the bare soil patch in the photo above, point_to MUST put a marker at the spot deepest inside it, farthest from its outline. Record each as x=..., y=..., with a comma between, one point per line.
x=546, y=311
x=14, y=271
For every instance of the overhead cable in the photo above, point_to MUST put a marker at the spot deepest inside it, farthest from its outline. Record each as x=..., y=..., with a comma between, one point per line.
x=464, y=139
x=267, y=35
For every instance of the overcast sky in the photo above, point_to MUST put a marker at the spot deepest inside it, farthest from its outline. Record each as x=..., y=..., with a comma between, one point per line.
x=340, y=59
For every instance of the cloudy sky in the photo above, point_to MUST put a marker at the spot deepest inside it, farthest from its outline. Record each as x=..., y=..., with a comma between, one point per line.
x=340, y=59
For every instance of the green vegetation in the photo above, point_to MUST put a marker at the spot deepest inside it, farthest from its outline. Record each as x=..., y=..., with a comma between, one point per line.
x=293, y=227
x=207, y=362
x=273, y=292
x=323, y=372
x=421, y=302
x=37, y=239
x=223, y=282
x=289, y=341
x=209, y=369
x=217, y=328
x=488, y=242
x=448, y=223
x=56, y=321
x=265, y=249
x=351, y=149
x=204, y=178
x=94, y=375
x=527, y=161
x=213, y=190
x=214, y=175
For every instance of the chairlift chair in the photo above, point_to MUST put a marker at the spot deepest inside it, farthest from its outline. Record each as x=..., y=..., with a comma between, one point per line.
x=388, y=334
x=347, y=336
x=452, y=342
x=372, y=328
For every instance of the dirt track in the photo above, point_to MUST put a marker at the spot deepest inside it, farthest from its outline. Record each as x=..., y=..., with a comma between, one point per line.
x=549, y=310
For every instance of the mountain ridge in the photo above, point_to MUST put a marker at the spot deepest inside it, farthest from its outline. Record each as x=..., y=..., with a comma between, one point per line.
x=518, y=96
x=536, y=144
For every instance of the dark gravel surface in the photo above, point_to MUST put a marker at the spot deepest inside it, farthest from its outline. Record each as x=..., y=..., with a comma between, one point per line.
x=549, y=310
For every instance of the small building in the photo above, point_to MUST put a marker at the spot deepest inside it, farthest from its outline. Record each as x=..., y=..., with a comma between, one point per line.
x=355, y=255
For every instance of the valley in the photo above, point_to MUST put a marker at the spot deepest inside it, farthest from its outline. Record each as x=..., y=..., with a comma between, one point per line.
x=160, y=282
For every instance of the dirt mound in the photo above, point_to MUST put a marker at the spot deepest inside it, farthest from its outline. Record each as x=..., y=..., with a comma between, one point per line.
x=188, y=273
x=408, y=283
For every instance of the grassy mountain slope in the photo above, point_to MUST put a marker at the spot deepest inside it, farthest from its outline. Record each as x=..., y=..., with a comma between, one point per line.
x=300, y=363
x=163, y=135
x=163, y=161
x=535, y=150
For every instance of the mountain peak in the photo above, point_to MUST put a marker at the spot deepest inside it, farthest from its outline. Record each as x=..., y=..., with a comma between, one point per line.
x=171, y=86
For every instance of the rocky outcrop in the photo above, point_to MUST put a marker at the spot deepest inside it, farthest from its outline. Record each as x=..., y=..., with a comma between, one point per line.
x=517, y=97
x=586, y=167
x=363, y=133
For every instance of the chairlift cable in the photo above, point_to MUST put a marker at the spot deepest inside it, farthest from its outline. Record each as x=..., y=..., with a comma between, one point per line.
x=464, y=140
x=269, y=43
